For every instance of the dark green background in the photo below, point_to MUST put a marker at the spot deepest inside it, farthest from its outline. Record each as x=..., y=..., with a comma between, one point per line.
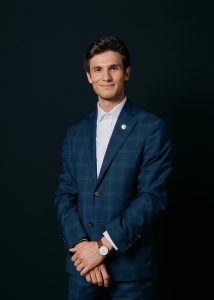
x=44, y=89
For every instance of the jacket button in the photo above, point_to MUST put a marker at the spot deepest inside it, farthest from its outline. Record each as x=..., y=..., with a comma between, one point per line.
x=91, y=223
x=97, y=194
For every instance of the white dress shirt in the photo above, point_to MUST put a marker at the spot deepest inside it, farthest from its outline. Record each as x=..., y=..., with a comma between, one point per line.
x=105, y=125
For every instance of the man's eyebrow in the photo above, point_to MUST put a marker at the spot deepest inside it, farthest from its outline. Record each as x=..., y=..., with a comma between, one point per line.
x=115, y=65
x=110, y=66
x=95, y=67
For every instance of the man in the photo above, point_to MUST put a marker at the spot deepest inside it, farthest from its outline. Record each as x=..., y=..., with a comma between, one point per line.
x=112, y=186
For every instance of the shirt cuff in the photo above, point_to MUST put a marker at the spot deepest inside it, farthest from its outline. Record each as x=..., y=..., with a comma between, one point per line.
x=107, y=236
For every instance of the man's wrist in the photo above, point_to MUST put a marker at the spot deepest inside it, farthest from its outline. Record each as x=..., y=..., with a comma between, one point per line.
x=102, y=249
x=107, y=236
x=104, y=246
x=106, y=243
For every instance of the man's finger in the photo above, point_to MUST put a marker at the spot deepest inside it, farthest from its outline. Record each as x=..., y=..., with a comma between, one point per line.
x=77, y=262
x=73, y=250
x=88, y=278
x=80, y=269
x=105, y=275
x=93, y=277
x=84, y=271
x=99, y=277
x=74, y=257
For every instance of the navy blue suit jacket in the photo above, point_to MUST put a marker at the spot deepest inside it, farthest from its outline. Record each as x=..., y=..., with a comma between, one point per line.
x=125, y=199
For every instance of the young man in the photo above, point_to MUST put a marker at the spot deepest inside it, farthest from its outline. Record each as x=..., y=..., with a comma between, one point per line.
x=112, y=186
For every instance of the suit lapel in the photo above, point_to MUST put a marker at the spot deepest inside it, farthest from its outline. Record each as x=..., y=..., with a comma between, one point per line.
x=90, y=144
x=123, y=128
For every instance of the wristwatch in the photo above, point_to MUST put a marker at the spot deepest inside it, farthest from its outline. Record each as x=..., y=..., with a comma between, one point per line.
x=103, y=250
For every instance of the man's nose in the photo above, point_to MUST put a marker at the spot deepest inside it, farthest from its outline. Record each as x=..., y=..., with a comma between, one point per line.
x=107, y=75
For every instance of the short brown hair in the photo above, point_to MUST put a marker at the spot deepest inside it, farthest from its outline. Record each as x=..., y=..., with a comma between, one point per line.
x=104, y=44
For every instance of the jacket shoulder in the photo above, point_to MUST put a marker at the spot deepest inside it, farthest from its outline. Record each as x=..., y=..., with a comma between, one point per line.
x=75, y=128
x=145, y=117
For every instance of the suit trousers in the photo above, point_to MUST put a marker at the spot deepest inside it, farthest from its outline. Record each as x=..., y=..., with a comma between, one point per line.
x=80, y=289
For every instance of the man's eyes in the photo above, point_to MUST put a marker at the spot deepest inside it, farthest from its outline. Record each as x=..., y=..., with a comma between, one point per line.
x=114, y=68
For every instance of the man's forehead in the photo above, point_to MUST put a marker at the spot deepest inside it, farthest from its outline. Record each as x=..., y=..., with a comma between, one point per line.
x=106, y=58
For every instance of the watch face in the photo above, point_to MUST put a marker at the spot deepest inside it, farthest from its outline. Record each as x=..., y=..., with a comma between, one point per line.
x=103, y=250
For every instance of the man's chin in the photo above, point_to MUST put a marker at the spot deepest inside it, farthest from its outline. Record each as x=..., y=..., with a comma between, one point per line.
x=110, y=98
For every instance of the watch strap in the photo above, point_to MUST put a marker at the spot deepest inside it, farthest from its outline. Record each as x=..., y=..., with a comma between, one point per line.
x=100, y=243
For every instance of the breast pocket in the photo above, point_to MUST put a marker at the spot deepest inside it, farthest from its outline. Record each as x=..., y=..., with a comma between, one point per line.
x=128, y=157
x=128, y=151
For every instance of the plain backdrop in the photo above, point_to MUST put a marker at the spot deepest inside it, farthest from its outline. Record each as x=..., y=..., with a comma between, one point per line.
x=44, y=89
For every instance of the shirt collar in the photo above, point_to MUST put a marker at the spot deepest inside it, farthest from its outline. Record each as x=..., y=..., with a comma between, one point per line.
x=114, y=112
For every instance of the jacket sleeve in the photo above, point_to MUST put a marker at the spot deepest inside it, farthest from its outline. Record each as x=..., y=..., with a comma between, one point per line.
x=151, y=198
x=66, y=199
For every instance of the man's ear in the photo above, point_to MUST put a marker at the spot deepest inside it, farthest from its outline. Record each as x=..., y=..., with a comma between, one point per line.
x=89, y=77
x=127, y=73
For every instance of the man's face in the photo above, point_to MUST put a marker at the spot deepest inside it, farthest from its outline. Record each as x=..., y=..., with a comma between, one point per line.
x=107, y=76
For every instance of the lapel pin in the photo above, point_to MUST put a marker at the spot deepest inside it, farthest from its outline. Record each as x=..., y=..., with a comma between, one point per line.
x=123, y=126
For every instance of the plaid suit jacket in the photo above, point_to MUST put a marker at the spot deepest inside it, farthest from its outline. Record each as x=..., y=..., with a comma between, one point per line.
x=125, y=199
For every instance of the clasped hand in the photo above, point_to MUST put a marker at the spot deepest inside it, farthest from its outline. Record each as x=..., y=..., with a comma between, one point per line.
x=89, y=262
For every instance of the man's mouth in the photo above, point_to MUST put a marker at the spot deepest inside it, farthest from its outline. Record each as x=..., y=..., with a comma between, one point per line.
x=107, y=85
